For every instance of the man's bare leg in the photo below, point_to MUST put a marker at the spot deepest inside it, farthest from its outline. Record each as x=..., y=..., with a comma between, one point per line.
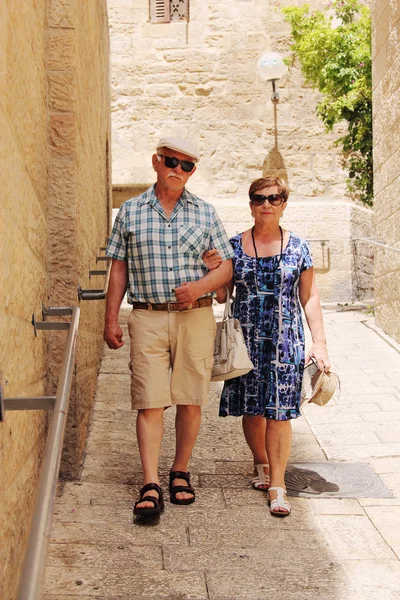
x=187, y=425
x=149, y=431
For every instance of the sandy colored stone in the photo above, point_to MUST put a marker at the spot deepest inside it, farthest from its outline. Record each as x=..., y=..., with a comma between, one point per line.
x=327, y=580
x=61, y=13
x=354, y=537
x=118, y=533
x=246, y=558
x=128, y=557
x=78, y=493
x=61, y=91
x=131, y=585
x=62, y=134
x=387, y=525
x=61, y=49
x=378, y=579
x=386, y=84
x=386, y=465
x=335, y=506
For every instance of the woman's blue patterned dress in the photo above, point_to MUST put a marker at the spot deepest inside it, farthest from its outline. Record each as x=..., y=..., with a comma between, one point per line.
x=268, y=308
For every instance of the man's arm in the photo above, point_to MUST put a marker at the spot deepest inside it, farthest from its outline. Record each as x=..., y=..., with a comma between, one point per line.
x=116, y=290
x=190, y=292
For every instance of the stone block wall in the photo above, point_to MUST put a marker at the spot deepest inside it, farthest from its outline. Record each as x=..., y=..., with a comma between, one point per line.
x=386, y=123
x=23, y=276
x=79, y=199
x=54, y=216
x=199, y=80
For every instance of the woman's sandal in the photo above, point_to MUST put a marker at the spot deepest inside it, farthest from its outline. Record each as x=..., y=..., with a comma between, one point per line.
x=176, y=489
x=149, y=512
x=278, y=503
x=260, y=479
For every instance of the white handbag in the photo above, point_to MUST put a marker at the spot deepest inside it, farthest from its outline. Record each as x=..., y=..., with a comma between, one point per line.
x=230, y=353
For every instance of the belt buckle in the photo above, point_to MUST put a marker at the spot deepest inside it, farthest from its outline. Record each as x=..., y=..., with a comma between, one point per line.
x=170, y=306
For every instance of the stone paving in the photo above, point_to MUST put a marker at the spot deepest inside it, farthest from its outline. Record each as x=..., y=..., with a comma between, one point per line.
x=226, y=546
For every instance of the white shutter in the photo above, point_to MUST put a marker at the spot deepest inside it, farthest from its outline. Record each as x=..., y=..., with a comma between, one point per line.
x=160, y=11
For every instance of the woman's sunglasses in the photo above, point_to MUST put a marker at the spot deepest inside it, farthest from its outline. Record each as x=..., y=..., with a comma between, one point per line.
x=171, y=162
x=260, y=199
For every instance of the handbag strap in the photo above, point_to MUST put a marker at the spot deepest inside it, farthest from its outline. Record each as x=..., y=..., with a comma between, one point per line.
x=228, y=305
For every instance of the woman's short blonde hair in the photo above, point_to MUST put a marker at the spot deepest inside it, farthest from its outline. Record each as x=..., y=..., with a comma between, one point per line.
x=265, y=182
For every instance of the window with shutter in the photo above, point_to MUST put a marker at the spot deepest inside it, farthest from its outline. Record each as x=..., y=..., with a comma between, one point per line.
x=160, y=11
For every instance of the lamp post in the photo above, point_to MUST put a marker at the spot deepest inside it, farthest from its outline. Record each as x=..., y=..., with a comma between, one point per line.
x=270, y=67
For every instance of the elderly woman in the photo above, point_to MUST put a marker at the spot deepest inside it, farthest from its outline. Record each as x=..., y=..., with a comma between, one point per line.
x=273, y=275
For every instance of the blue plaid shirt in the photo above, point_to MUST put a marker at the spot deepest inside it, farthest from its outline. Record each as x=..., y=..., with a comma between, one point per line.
x=162, y=254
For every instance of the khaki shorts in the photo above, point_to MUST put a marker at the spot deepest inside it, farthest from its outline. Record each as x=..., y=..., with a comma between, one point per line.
x=172, y=355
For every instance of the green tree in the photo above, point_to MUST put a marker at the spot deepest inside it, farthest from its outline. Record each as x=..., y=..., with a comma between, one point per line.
x=334, y=51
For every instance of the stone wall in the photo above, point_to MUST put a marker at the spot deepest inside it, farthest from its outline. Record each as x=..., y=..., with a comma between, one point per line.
x=386, y=123
x=54, y=214
x=23, y=278
x=199, y=80
x=79, y=203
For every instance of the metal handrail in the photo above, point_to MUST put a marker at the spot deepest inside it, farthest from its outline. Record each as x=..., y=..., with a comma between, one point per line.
x=376, y=243
x=32, y=577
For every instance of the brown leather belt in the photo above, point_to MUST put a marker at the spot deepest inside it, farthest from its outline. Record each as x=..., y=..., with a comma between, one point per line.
x=173, y=306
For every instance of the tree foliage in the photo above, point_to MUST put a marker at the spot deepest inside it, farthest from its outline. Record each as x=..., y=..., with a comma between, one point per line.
x=334, y=51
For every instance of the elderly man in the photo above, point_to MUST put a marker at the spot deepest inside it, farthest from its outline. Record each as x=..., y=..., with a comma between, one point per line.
x=157, y=244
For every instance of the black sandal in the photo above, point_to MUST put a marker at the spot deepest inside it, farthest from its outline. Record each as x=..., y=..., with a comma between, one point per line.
x=175, y=489
x=158, y=503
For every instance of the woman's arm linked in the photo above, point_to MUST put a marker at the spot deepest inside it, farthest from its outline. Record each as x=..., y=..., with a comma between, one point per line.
x=310, y=301
x=212, y=260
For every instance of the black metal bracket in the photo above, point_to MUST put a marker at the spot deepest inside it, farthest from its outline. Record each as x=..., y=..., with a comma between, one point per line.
x=56, y=311
x=93, y=272
x=25, y=403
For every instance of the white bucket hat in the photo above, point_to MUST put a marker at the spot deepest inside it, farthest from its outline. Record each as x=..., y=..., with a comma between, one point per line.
x=179, y=145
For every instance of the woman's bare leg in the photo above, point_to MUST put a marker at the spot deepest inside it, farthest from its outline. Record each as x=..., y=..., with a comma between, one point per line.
x=279, y=443
x=254, y=429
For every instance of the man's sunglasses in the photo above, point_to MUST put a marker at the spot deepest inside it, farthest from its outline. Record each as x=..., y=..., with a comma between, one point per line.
x=260, y=199
x=171, y=162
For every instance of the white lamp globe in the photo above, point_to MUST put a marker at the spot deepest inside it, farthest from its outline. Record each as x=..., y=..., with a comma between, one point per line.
x=270, y=65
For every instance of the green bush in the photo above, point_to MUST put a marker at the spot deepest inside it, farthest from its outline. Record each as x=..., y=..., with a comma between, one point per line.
x=334, y=51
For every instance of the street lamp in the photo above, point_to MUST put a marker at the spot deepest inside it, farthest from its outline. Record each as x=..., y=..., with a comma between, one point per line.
x=270, y=67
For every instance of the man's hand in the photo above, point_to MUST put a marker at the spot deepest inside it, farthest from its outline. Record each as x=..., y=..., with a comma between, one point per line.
x=113, y=336
x=187, y=293
x=212, y=259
